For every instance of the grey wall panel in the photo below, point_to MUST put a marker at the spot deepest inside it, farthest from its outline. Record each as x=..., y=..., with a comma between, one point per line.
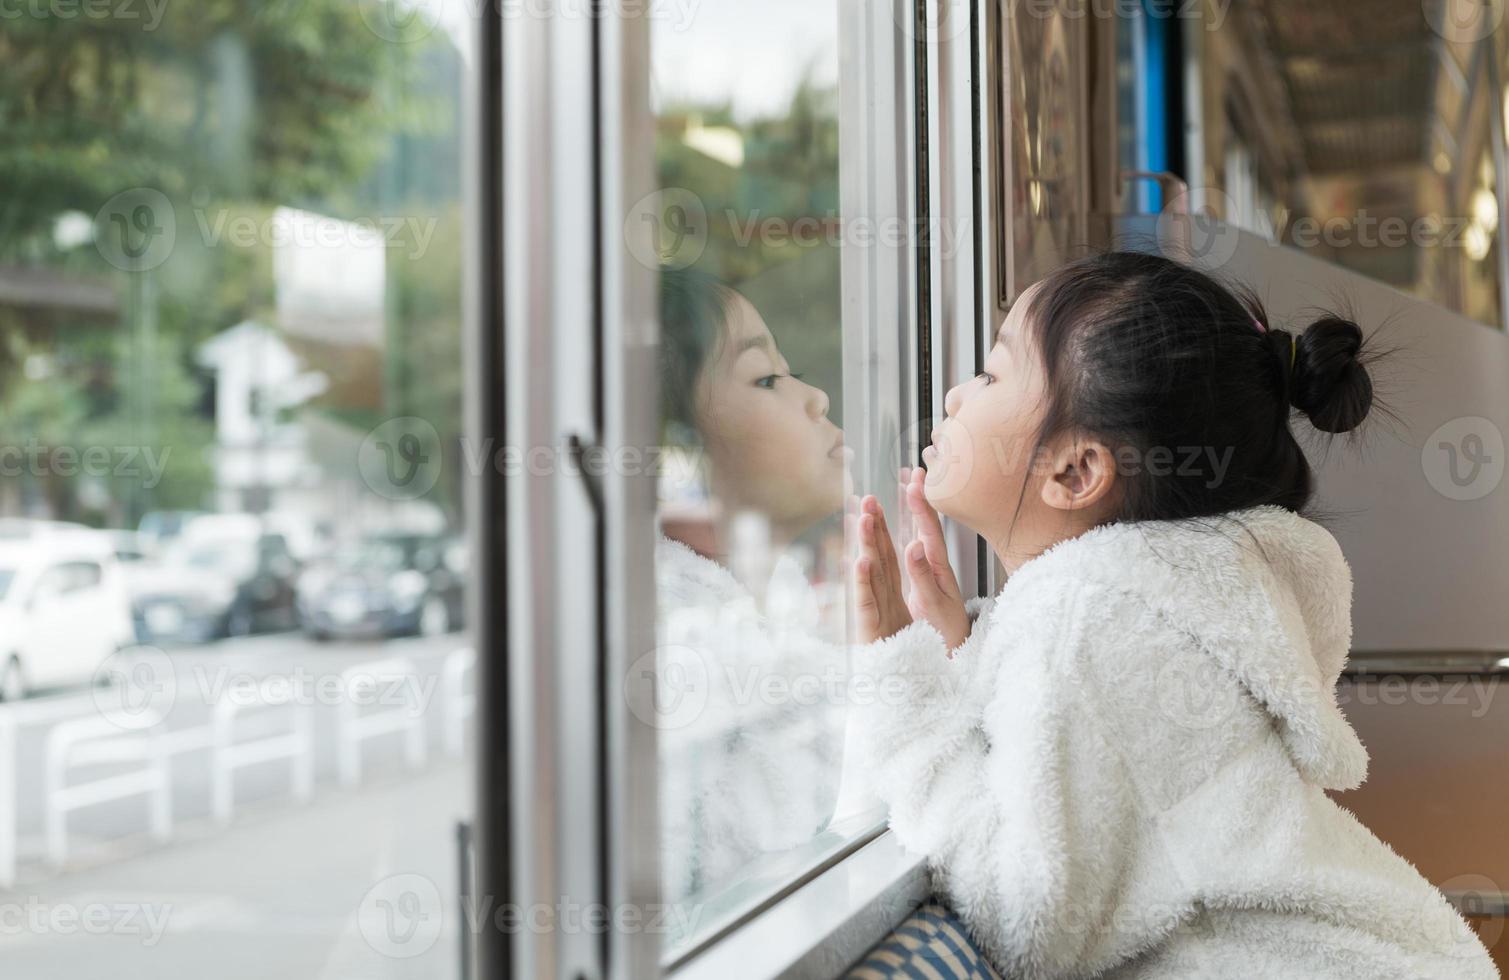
x=1429, y=554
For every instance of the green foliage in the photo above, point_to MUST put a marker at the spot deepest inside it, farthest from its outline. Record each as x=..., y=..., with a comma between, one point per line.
x=276, y=101
x=230, y=108
x=788, y=180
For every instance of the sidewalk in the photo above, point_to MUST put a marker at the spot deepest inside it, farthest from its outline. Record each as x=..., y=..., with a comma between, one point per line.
x=293, y=894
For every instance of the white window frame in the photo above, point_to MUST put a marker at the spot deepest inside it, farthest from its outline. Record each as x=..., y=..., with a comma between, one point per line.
x=573, y=141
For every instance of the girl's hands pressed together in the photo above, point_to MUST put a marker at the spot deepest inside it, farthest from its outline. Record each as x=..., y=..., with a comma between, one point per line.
x=935, y=593
x=880, y=607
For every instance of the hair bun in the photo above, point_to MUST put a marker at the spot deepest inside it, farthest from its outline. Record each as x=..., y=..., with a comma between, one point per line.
x=1329, y=381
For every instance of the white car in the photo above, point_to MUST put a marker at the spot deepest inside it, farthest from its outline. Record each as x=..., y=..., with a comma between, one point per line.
x=63, y=608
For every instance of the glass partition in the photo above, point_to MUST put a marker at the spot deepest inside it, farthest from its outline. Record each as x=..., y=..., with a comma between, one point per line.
x=236, y=679
x=780, y=243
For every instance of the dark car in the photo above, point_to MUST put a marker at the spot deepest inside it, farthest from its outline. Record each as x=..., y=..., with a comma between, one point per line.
x=394, y=584
x=231, y=585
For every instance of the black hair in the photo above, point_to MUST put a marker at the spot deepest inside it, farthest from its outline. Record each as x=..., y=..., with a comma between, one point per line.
x=1152, y=356
x=694, y=312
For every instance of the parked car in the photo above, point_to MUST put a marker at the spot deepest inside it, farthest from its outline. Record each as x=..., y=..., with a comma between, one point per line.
x=223, y=577
x=25, y=528
x=63, y=609
x=392, y=584
x=127, y=546
x=158, y=529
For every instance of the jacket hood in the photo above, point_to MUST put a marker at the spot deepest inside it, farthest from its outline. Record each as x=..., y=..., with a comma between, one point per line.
x=1265, y=592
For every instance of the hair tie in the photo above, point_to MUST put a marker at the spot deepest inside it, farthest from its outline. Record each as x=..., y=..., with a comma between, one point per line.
x=1293, y=350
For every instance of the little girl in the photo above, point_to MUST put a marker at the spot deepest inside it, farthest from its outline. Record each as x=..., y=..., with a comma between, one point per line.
x=1117, y=767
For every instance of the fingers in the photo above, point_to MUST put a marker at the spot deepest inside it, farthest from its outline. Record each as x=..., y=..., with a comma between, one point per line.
x=930, y=536
x=925, y=589
x=878, y=535
x=928, y=523
x=864, y=584
x=881, y=574
x=866, y=605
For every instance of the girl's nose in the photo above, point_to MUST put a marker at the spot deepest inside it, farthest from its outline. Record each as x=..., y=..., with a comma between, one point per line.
x=952, y=400
x=817, y=401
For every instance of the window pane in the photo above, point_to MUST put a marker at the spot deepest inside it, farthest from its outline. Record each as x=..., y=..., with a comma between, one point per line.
x=758, y=234
x=230, y=419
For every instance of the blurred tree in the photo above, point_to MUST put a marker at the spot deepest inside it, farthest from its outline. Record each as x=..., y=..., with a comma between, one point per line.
x=228, y=108
x=233, y=98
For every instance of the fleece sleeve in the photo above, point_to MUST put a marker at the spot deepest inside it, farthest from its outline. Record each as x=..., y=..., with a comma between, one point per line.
x=1026, y=815
x=913, y=694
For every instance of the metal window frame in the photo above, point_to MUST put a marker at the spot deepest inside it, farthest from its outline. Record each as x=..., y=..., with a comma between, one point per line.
x=552, y=282
x=564, y=318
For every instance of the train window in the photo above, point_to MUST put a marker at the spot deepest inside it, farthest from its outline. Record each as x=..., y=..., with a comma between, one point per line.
x=780, y=400
x=231, y=278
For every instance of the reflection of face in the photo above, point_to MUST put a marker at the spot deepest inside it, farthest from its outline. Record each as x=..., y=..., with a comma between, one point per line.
x=766, y=432
x=981, y=453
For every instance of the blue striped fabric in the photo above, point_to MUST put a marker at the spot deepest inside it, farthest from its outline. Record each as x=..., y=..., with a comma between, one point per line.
x=930, y=945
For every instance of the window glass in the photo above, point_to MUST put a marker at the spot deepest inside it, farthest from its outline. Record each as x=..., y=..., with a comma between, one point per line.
x=1414, y=204
x=81, y=575
x=230, y=340
x=753, y=235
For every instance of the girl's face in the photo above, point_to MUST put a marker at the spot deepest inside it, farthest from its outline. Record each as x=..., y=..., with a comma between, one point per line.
x=982, y=462
x=977, y=465
x=766, y=432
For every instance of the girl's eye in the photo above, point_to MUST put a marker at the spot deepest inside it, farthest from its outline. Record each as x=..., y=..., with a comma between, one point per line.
x=770, y=379
x=985, y=376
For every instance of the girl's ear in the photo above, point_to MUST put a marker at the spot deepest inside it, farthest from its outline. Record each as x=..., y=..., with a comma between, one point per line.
x=1081, y=474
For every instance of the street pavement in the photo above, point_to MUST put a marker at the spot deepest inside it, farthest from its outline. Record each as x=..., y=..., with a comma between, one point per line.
x=357, y=883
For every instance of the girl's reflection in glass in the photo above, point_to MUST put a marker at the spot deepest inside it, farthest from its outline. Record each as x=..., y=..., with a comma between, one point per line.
x=752, y=772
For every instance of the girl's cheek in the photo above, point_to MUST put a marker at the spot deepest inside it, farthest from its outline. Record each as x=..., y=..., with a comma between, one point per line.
x=951, y=465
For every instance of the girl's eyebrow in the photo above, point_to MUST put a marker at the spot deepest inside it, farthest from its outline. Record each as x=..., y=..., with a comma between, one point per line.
x=759, y=342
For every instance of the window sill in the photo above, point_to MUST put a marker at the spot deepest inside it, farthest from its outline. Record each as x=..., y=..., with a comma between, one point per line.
x=824, y=926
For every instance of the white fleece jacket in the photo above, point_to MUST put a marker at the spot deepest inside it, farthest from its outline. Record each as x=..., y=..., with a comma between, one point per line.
x=1122, y=771
x=750, y=759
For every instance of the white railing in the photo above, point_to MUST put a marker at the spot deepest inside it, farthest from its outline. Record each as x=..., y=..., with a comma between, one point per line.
x=460, y=704
x=392, y=684
x=296, y=744
x=98, y=729
x=100, y=741
x=15, y=718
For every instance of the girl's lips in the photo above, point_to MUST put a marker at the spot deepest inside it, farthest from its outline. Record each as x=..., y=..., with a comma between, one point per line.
x=930, y=453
